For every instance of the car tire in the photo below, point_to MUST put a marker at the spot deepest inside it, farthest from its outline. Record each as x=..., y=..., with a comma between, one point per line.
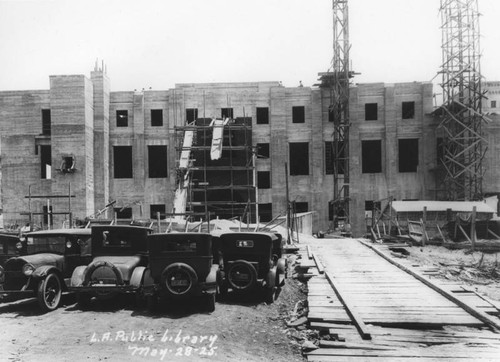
x=83, y=300
x=211, y=302
x=49, y=292
x=246, y=266
x=269, y=294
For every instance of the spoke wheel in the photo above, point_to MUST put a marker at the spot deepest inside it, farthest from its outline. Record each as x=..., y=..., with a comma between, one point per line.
x=49, y=292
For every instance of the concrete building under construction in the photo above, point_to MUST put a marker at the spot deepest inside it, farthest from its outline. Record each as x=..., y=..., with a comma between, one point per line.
x=80, y=139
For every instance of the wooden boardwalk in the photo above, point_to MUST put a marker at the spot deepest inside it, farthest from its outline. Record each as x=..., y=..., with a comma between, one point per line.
x=367, y=308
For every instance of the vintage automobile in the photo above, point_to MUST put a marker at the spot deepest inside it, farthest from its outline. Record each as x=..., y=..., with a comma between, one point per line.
x=181, y=266
x=252, y=260
x=10, y=245
x=119, y=259
x=44, y=271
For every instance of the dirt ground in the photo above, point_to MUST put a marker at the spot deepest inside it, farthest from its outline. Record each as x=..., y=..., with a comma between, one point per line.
x=477, y=270
x=238, y=330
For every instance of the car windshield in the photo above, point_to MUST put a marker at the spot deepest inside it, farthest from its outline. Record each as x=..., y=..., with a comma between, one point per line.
x=46, y=243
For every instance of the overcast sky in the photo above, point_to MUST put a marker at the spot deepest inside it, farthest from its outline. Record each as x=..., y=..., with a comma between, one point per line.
x=158, y=43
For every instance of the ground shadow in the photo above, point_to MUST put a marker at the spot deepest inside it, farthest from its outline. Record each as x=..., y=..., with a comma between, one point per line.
x=29, y=306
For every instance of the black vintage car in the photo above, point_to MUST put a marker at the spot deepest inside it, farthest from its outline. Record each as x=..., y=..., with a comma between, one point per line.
x=44, y=271
x=252, y=260
x=10, y=245
x=119, y=261
x=181, y=267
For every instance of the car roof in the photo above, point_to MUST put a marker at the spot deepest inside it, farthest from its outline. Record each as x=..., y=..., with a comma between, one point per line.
x=250, y=233
x=79, y=231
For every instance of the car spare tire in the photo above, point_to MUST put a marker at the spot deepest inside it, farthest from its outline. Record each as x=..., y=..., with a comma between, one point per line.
x=241, y=275
x=108, y=271
x=179, y=279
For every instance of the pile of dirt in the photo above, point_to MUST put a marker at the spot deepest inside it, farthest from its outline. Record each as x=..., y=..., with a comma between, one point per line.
x=478, y=270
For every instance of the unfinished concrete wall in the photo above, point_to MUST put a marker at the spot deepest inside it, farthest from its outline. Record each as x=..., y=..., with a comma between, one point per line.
x=72, y=135
x=389, y=127
x=20, y=130
x=491, y=132
x=140, y=191
x=84, y=113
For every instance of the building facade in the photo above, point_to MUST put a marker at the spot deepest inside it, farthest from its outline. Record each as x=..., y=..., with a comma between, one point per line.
x=78, y=138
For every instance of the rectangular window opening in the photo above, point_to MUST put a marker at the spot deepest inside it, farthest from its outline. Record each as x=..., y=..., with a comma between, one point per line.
x=154, y=209
x=264, y=179
x=493, y=104
x=121, y=118
x=157, y=117
x=266, y=212
x=331, y=115
x=408, y=110
x=226, y=112
x=262, y=115
x=46, y=122
x=123, y=212
x=300, y=207
x=157, y=160
x=371, y=155
x=262, y=150
x=46, y=162
x=191, y=114
x=299, y=158
x=122, y=162
x=408, y=155
x=298, y=114
x=371, y=111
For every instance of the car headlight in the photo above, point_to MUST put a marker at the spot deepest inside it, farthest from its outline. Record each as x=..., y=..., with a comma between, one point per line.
x=69, y=244
x=28, y=269
x=19, y=245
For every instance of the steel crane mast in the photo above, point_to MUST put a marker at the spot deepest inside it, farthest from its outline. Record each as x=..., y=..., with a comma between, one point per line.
x=461, y=115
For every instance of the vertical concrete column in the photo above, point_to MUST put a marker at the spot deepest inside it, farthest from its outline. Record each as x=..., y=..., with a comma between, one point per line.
x=427, y=144
x=318, y=194
x=139, y=150
x=356, y=189
x=278, y=148
x=72, y=111
x=390, y=169
x=101, y=138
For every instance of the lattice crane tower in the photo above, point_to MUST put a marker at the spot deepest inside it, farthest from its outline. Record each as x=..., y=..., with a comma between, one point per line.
x=461, y=116
x=338, y=81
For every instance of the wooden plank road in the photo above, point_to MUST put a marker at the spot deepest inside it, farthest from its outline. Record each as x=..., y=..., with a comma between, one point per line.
x=404, y=317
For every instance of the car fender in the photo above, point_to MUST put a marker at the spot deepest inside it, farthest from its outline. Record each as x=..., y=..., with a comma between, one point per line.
x=137, y=276
x=78, y=276
x=148, y=283
x=281, y=266
x=44, y=270
x=212, y=276
x=271, y=278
